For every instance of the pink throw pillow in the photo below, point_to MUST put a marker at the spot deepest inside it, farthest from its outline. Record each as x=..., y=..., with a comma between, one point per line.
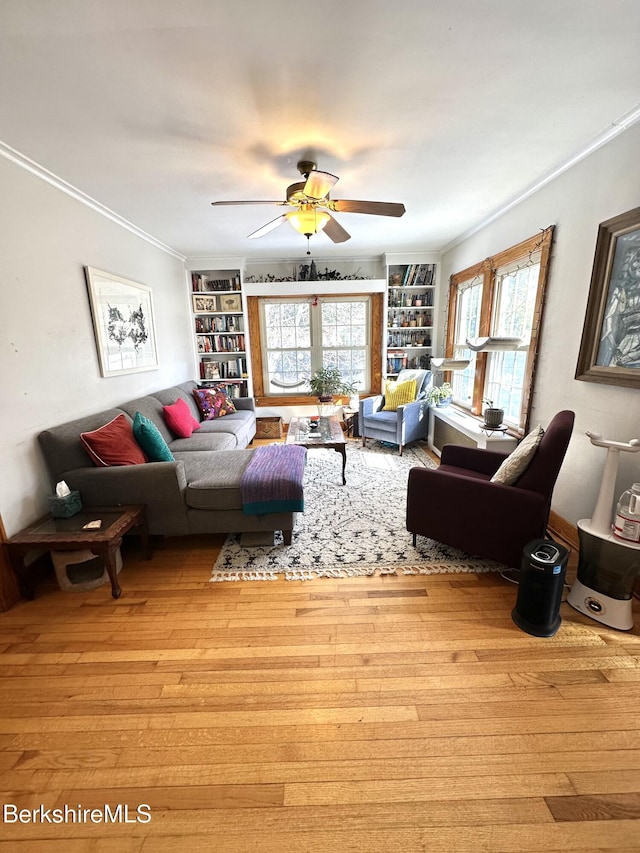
x=113, y=444
x=213, y=402
x=179, y=419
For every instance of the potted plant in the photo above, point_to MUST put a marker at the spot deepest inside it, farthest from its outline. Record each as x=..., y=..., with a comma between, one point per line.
x=440, y=395
x=325, y=383
x=492, y=416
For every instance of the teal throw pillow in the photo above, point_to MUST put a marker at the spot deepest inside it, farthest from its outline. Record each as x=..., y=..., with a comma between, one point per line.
x=150, y=439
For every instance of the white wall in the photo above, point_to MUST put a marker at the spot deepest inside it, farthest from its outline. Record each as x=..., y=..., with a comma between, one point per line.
x=603, y=185
x=49, y=369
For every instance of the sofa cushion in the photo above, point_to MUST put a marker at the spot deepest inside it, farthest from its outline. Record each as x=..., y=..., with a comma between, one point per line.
x=150, y=408
x=150, y=440
x=518, y=461
x=113, y=444
x=213, y=481
x=382, y=420
x=183, y=392
x=422, y=377
x=398, y=394
x=201, y=440
x=213, y=402
x=179, y=419
x=62, y=447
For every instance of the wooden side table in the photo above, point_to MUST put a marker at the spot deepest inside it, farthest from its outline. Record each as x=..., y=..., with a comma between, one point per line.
x=71, y=534
x=350, y=419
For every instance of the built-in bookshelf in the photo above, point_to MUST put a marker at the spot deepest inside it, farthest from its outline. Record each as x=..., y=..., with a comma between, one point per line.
x=411, y=291
x=219, y=330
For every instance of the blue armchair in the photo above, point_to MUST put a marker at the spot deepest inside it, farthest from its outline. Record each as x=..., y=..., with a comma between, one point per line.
x=407, y=424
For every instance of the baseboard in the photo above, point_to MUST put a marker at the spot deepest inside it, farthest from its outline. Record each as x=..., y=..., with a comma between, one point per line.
x=563, y=529
x=9, y=593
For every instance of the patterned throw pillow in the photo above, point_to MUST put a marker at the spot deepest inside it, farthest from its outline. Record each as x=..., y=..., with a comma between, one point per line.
x=113, y=444
x=398, y=394
x=517, y=462
x=179, y=419
x=213, y=402
x=150, y=439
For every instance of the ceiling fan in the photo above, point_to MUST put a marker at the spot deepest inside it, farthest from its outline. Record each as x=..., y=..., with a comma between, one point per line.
x=312, y=204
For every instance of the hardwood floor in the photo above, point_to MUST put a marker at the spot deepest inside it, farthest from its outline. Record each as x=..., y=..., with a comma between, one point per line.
x=350, y=716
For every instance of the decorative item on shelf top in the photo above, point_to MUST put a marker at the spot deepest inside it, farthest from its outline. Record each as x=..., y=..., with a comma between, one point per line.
x=493, y=417
x=440, y=395
x=324, y=384
x=307, y=272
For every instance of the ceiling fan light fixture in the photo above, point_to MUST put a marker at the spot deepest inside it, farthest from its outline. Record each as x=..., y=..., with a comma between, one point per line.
x=319, y=184
x=308, y=220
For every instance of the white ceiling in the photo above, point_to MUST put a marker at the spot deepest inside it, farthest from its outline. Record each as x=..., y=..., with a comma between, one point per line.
x=456, y=108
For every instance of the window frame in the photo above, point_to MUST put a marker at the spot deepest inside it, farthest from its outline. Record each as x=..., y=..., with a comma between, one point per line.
x=487, y=270
x=261, y=395
x=317, y=329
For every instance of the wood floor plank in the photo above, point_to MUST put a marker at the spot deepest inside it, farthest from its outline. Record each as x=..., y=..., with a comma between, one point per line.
x=600, y=807
x=427, y=790
x=341, y=715
x=429, y=774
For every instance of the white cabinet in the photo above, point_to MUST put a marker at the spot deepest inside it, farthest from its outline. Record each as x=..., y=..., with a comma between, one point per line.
x=448, y=425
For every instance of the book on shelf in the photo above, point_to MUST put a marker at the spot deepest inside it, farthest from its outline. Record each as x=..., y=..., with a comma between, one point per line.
x=396, y=364
x=231, y=368
x=231, y=389
x=203, y=343
x=218, y=323
x=203, y=283
x=418, y=275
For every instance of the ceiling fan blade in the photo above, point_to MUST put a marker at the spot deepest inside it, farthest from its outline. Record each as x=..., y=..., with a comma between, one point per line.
x=319, y=184
x=218, y=203
x=270, y=226
x=379, y=208
x=335, y=231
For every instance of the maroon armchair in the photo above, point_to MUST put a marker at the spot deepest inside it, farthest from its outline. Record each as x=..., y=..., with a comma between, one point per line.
x=456, y=504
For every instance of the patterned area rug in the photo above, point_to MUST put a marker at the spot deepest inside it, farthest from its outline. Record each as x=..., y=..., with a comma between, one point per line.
x=345, y=531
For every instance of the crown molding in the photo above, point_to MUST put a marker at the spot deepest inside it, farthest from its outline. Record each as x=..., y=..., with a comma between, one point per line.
x=613, y=130
x=59, y=183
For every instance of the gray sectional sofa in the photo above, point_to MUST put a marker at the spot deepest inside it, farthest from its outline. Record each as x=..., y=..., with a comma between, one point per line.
x=197, y=493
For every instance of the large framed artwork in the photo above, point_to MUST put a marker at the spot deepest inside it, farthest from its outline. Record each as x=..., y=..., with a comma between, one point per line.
x=123, y=324
x=610, y=348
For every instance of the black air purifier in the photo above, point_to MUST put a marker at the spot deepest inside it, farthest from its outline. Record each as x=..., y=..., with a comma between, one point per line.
x=544, y=566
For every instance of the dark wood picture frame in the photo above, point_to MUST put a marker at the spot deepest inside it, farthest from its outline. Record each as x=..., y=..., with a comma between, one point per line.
x=610, y=347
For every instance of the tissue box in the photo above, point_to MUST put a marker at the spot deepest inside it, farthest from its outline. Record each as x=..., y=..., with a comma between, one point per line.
x=65, y=507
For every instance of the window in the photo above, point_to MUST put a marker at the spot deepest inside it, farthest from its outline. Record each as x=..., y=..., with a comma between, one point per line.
x=501, y=297
x=514, y=305
x=468, y=297
x=299, y=336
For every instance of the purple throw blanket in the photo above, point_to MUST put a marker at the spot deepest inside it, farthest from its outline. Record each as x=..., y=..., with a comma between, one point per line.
x=272, y=481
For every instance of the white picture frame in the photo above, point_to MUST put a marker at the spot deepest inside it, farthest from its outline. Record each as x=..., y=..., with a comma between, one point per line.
x=123, y=323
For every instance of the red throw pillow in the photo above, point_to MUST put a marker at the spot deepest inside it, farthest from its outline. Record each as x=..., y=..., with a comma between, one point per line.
x=213, y=402
x=179, y=419
x=113, y=444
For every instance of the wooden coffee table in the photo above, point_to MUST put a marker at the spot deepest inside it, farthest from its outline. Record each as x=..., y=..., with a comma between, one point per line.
x=68, y=534
x=329, y=434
